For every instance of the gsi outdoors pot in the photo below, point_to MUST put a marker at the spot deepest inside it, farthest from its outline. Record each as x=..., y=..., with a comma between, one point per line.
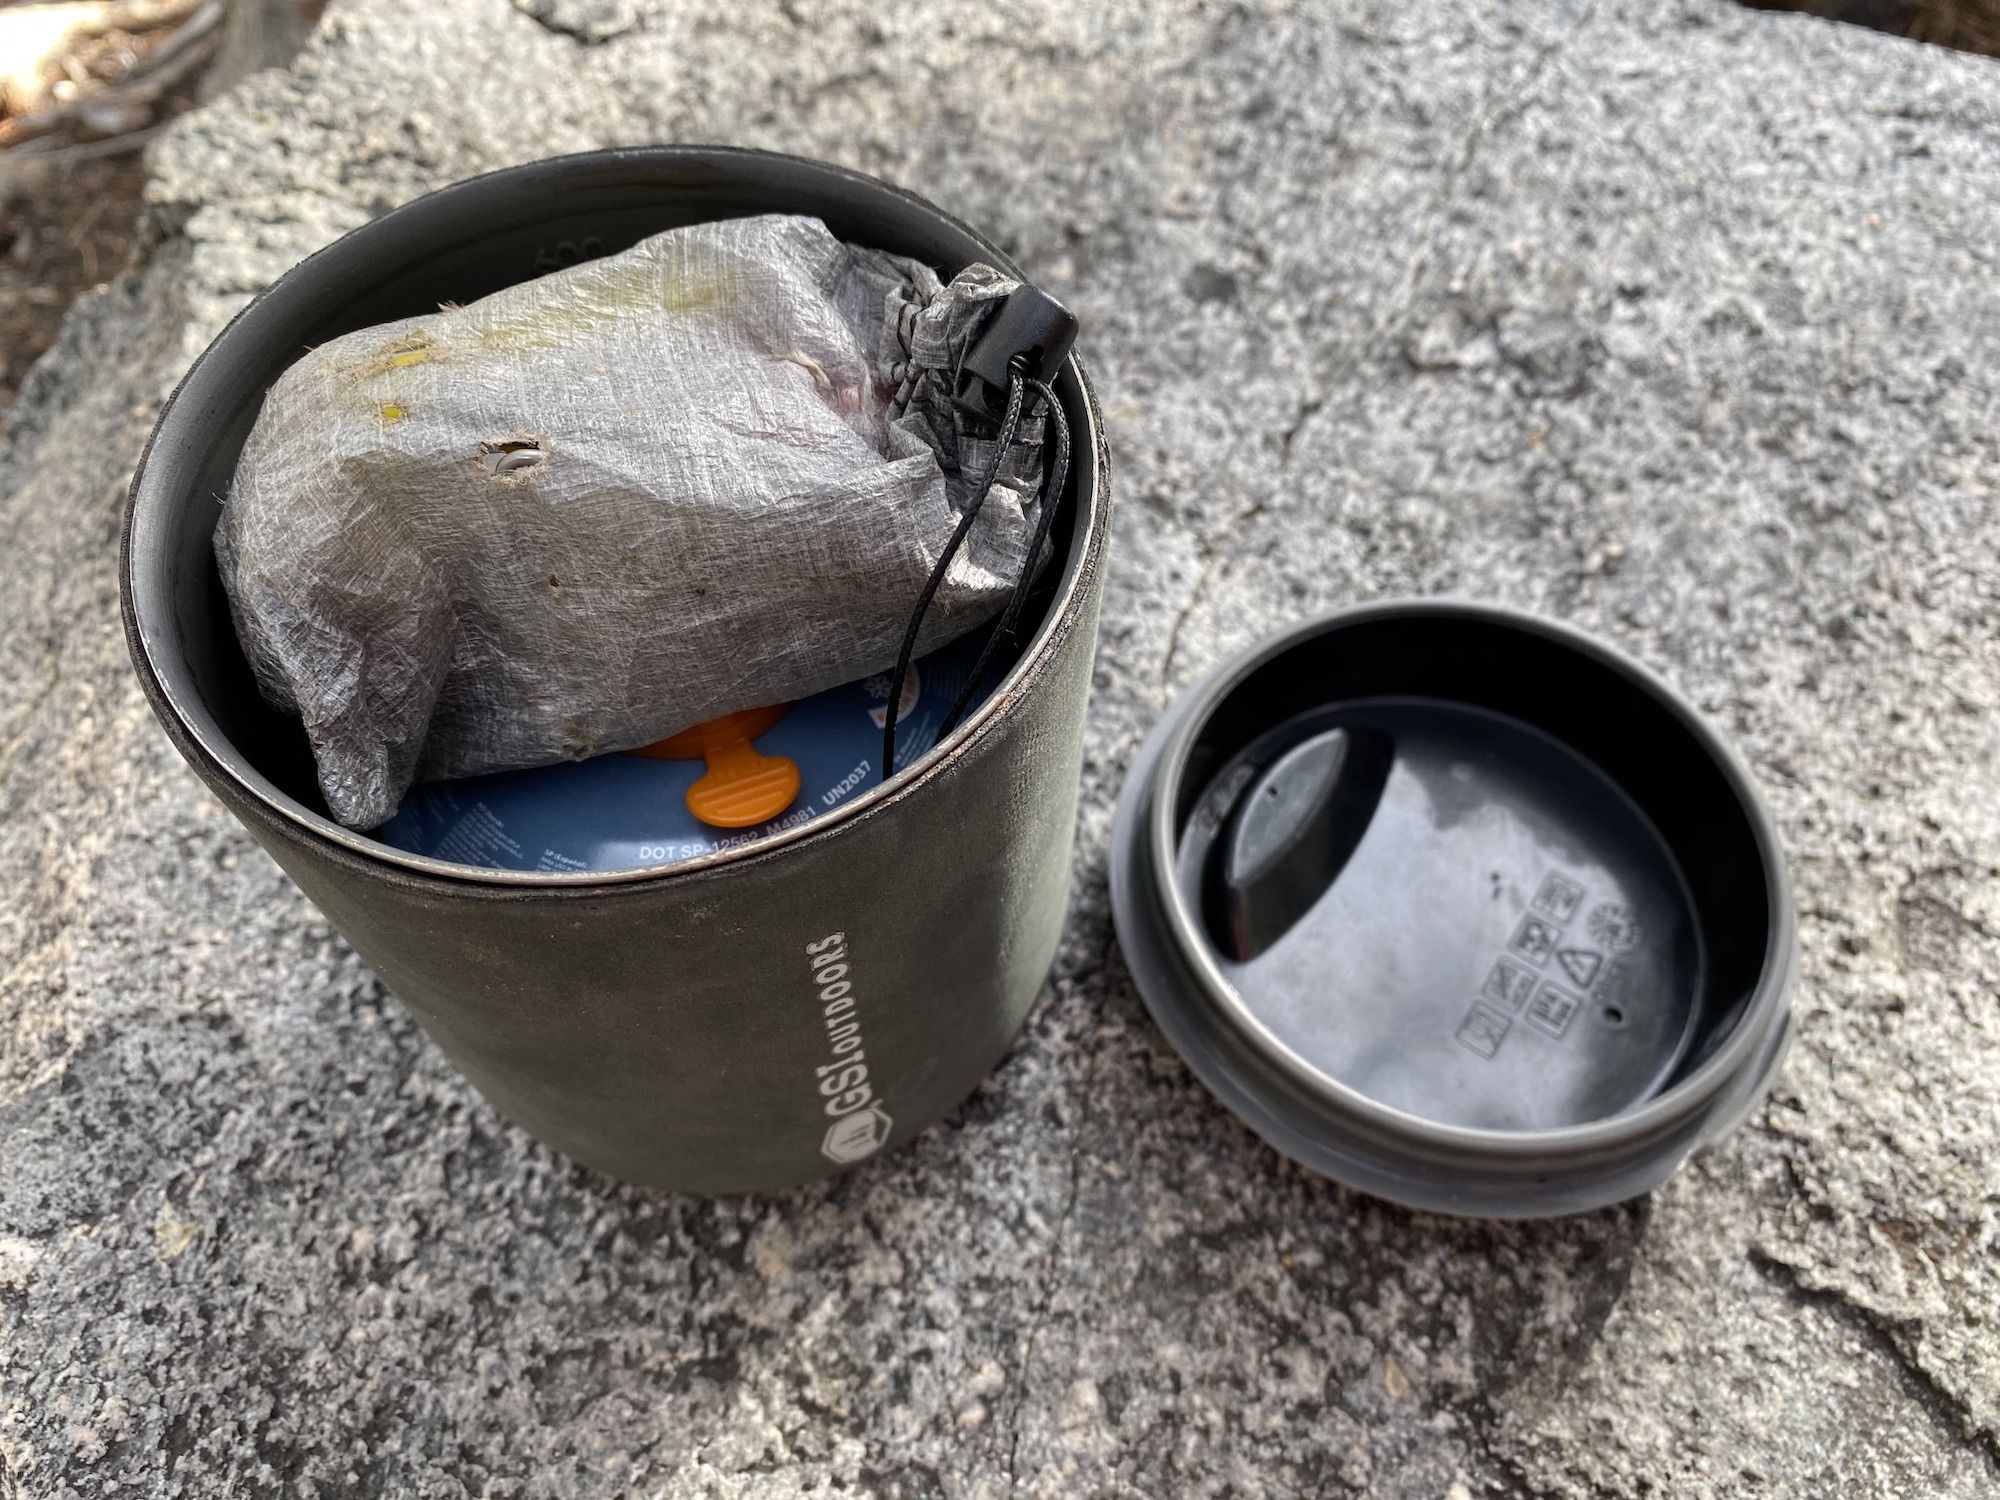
x=743, y=1020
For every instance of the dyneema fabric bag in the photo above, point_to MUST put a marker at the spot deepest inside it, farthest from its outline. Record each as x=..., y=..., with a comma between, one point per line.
x=709, y=473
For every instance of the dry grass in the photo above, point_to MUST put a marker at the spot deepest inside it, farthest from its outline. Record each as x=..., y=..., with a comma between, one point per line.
x=1968, y=25
x=83, y=85
x=1963, y=25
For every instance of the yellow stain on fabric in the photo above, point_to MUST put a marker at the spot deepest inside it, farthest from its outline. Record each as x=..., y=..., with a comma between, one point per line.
x=606, y=302
x=397, y=354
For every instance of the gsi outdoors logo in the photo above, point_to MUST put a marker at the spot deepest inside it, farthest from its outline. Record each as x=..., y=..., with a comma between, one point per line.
x=861, y=1125
x=856, y=1136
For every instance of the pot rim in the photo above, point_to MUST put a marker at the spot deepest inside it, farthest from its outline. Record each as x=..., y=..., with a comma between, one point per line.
x=222, y=764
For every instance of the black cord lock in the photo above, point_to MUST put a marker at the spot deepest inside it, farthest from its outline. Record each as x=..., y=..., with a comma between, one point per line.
x=1032, y=331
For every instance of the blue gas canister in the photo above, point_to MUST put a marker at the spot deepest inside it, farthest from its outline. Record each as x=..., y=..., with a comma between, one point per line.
x=718, y=786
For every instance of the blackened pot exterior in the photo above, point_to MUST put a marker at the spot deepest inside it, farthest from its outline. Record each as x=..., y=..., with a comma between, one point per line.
x=749, y=1020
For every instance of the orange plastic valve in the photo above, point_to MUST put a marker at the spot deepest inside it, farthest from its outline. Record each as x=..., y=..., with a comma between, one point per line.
x=742, y=786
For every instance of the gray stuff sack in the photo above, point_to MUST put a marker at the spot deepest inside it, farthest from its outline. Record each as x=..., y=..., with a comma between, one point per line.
x=709, y=473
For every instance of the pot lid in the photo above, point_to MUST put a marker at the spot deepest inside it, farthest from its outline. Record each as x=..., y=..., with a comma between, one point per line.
x=1455, y=905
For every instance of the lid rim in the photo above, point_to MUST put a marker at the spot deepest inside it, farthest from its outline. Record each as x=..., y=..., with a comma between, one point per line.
x=1145, y=816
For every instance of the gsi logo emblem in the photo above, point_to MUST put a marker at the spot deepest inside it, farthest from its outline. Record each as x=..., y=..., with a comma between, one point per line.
x=861, y=1134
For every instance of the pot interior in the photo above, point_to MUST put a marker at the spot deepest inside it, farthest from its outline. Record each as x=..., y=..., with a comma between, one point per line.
x=459, y=245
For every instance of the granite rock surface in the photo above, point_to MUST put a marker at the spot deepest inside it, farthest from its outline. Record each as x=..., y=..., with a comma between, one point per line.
x=1678, y=321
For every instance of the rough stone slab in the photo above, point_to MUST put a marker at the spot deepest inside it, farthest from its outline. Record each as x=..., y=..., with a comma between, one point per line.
x=1681, y=322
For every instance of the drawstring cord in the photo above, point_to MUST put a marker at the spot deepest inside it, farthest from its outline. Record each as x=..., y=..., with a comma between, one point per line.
x=1051, y=498
x=1018, y=386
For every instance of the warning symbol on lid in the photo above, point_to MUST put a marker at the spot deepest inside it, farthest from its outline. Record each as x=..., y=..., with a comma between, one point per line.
x=1580, y=964
x=1552, y=1010
x=1483, y=1029
x=1509, y=984
x=1614, y=927
x=1534, y=940
x=1558, y=897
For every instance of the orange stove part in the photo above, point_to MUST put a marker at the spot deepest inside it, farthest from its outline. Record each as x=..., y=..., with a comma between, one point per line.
x=742, y=786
